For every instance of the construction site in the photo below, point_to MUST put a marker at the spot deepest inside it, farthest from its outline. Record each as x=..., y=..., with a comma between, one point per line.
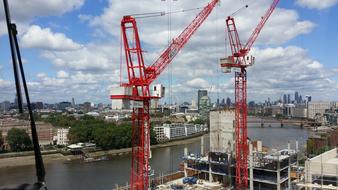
x=136, y=94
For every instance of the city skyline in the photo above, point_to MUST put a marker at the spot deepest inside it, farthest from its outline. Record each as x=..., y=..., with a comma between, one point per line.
x=85, y=64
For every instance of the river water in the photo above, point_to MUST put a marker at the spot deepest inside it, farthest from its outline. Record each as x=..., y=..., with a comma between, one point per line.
x=104, y=175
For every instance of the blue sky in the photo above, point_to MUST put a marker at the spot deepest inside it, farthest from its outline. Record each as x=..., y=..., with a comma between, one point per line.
x=71, y=48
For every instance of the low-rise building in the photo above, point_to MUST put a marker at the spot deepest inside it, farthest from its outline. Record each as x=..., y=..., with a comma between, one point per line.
x=317, y=108
x=177, y=130
x=160, y=136
x=300, y=112
x=44, y=130
x=62, y=136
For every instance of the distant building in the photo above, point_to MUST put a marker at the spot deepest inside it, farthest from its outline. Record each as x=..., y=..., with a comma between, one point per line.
x=64, y=105
x=62, y=136
x=317, y=108
x=5, y=106
x=16, y=102
x=200, y=94
x=39, y=105
x=44, y=130
x=73, y=103
x=308, y=98
x=87, y=107
x=176, y=130
x=228, y=102
x=159, y=132
x=296, y=97
x=300, y=112
x=204, y=106
x=172, y=131
x=184, y=107
x=100, y=107
x=273, y=110
x=289, y=110
x=300, y=99
x=222, y=130
x=193, y=104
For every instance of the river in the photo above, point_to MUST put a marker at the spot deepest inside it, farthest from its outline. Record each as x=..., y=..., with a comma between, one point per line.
x=104, y=175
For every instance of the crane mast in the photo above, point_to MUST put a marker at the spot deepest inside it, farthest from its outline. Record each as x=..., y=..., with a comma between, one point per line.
x=136, y=90
x=239, y=59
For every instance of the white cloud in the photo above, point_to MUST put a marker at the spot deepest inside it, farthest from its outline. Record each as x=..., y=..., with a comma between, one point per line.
x=4, y=83
x=23, y=11
x=317, y=4
x=87, y=72
x=44, y=38
x=91, y=57
x=81, y=85
x=62, y=74
x=198, y=83
x=283, y=25
x=281, y=70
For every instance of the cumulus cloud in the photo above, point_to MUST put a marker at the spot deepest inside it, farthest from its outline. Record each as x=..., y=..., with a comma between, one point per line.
x=280, y=70
x=317, y=4
x=23, y=11
x=44, y=38
x=81, y=85
x=89, y=71
x=4, y=83
x=155, y=32
x=91, y=57
x=198, y=83
x=62, y=74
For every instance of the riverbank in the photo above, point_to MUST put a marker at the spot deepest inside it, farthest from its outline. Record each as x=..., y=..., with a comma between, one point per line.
x=26, y=160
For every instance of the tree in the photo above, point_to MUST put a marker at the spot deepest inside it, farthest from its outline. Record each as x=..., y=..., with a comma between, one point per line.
x=198, y=121
x=19, y=140
x=105, y=135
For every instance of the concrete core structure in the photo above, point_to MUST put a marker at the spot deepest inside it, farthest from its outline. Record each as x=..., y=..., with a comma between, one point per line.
x=222, y=130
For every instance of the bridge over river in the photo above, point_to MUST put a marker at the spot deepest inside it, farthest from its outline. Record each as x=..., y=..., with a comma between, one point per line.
x=273, y=122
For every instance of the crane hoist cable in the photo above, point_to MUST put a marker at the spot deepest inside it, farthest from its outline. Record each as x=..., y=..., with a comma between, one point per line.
x=239, y=10
x=161, y=13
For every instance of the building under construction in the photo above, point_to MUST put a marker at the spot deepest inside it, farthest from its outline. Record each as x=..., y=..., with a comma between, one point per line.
x=267, y=169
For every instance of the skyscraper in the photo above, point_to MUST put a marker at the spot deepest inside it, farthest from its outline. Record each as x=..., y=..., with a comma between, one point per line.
x=300, y=99
x=289, y=99
x=228, y=102
x=223, y=102
x=284, y=99
x=73, y=102
x=296, y=97
x=200, y=94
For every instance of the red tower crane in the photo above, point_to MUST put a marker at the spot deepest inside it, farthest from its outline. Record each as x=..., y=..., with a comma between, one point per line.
x=137, y=89
x=240, y=59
